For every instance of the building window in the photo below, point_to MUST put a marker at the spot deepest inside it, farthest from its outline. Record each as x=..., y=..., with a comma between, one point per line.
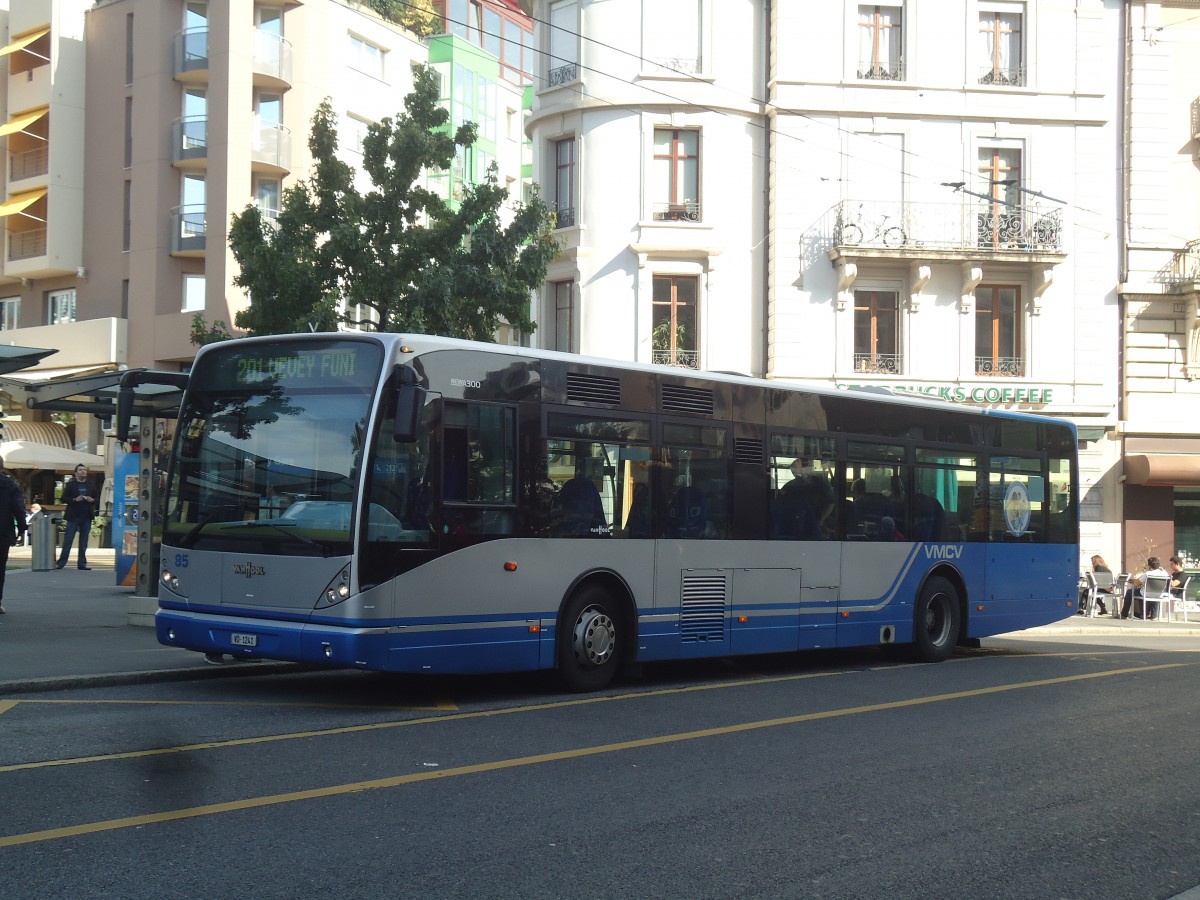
x=564, y=182
x=193, y=207
x=10, y=309
x=877, y=332
x=193, y=293
x=564, y=316
x=880, y=42
x=673, y=35
x=676, y=174
x=998, y=331
x=61, y=306
x=128, y=132
x=354, y=132
x=128, y=49
x=563, y=62
x=366, y=57
x=266, y=197
x=1000, y=34
x=1000, y=225
x=674, y=337
x=127, y=217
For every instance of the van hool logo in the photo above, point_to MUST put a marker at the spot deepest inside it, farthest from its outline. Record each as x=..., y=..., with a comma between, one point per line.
x=248, y=569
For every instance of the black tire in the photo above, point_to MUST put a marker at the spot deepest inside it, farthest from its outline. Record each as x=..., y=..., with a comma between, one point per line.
x=935, y=621
x=852, y=235
x=591, y=640
x=894, y=237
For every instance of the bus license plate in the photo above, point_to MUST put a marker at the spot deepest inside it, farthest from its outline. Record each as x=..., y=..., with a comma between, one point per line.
x=244, y=640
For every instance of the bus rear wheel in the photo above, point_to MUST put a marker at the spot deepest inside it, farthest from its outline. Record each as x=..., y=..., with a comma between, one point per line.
x=590, y=643
x=935, y=621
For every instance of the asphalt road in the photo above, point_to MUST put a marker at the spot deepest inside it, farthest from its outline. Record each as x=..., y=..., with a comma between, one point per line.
x=1025, y=769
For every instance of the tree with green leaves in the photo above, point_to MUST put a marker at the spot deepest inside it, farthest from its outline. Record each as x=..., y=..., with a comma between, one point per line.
x=419, y=16
x=399, y=249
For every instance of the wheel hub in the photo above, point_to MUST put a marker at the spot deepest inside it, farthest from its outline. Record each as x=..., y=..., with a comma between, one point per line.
x=595, y=638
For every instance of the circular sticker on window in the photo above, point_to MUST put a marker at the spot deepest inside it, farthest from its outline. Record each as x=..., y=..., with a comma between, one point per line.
x=1016, y=508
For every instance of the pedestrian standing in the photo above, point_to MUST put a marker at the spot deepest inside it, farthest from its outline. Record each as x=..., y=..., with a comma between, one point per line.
x=81, y=509
x=12, y=521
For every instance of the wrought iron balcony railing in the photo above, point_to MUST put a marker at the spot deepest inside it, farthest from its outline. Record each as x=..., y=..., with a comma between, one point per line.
x=684, y=359
x=685, y=65
x=1000, y=366
x=971, y=225
x=677, y=212
x=875, y=70
x=1012, y=76
x=563, y=74
x=1185, y=266
x=564, y=215
x=878, y=363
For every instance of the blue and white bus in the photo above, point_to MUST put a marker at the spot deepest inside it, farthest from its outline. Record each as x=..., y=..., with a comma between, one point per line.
x=419, y=504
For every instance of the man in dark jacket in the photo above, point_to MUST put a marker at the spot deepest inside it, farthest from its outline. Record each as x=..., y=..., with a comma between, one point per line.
x=12, y=522
x=81, y=509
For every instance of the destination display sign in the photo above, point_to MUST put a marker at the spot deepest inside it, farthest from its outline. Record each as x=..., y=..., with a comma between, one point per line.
x=289, y=364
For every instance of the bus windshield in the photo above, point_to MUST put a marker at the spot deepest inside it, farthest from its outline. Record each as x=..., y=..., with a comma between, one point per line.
x=269, y=447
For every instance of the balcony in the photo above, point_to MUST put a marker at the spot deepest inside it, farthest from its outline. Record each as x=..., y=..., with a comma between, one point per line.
x=189, y=230
x=1000, y=367
x=271, y=149
x=189, y=50
x=677, y=212
x=964, y=230
x=681, y=359
x=189, y=142
x=1184, y=272
x=684, y=65
x=563, y=74
x=27, y=244
x=1006, y=76
x=272, y=65
x=28, y=164
x=877, y=363
x=564, y=216
x=879, y=70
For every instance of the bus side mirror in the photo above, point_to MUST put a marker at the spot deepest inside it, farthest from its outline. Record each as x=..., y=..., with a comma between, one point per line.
x=410, y=400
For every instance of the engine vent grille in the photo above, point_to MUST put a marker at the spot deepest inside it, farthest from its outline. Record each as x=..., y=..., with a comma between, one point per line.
x=702, y=608
x=748, y=450
x=604, y=390
x=682, y=398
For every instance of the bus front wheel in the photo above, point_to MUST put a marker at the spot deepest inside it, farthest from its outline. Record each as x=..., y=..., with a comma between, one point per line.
x=935, y=621
x=590, y=640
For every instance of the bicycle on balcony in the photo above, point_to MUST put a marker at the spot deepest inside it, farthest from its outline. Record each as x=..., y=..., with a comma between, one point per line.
x=856, y=229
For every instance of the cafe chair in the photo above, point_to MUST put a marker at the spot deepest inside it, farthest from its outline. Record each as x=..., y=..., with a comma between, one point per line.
x=1157, y=589
x=1100, y=588
x=1181, y=597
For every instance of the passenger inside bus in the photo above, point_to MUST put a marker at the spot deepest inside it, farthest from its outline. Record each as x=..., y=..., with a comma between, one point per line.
x=581, y=512
x=802, y=504
x=688, y=514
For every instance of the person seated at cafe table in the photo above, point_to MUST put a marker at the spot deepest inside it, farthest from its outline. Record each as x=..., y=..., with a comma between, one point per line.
x=1154, y=569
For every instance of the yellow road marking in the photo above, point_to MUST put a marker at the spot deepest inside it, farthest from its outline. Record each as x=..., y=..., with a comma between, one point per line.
x=33, y=837
x=6, y=705
x=376, y=726
x=439, y=704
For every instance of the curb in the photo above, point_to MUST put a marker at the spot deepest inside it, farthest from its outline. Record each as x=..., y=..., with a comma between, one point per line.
x=111, y=679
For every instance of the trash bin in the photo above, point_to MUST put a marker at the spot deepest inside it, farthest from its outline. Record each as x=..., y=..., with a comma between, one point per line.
x=42, y=540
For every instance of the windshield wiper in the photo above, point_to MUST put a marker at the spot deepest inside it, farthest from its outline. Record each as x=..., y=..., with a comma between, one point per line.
x=194, y=533
x=283, y=527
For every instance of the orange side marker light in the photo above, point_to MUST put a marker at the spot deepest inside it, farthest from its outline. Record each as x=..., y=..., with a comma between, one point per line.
x=510, y=566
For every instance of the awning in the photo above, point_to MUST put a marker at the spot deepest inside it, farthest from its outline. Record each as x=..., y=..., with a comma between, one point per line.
x=23, y=121
x=31, y=455
x=18, y=202
x=49, y=433
x=13, y=358
x=1165, y=470
x=24, y=41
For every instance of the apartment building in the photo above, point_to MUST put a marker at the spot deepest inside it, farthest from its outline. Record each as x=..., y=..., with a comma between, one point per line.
x=914, y=196
x=1159, y=435
x=135, y=129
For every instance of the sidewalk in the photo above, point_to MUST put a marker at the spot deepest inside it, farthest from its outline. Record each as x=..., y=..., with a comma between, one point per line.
x=70, y=629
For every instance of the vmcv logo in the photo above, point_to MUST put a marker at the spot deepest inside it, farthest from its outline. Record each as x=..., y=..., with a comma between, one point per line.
x=248, y=569
x=943, y=551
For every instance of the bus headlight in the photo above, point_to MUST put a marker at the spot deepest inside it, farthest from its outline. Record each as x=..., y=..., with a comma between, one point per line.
x=337, y=590
x=170, y=580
